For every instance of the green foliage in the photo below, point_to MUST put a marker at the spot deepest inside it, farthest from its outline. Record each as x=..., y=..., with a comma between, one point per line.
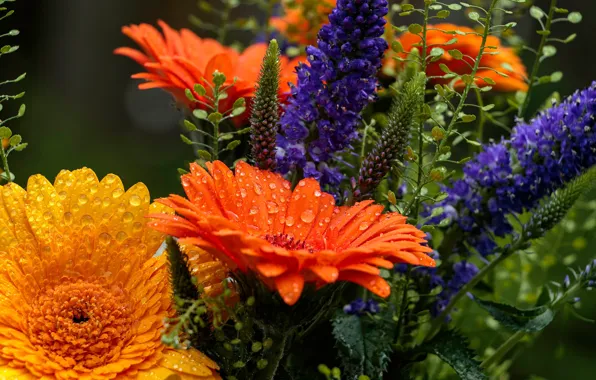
x=391, y=147
x=364, y=343
x=9, y=142
x=527, y=320
x=264, y=120
x=219, y=18
x=212, y=119
x=546, y=49
x=452, y=348
x=554, y=208
x=183, y=283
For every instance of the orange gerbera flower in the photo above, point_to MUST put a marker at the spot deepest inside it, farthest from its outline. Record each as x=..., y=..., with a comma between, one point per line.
x=301, y=22
x=177, y=61
x=252, y=221
x=506, y=61
x=81, y=295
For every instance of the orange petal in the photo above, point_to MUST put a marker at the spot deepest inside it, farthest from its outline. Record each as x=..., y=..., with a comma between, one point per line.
x=221, y=63
x=374, y=283
x=325, y=272
x=290, y=286
x=271, y=269
x=303, y=208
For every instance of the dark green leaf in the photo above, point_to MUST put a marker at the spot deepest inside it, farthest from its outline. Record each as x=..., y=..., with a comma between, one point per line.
x=452, y=348
x=527, y=320
x=364, y=343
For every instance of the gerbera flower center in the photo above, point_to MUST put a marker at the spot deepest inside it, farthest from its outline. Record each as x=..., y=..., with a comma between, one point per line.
x=287, y=241
x=83, y=323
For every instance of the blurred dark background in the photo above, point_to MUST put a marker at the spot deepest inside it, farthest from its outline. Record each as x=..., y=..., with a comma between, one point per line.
x=84, y=110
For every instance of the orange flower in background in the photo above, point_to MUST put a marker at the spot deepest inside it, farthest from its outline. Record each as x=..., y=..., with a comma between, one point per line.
x=176, y=61
x=301, y=22
x=81, y=295
x=252, y=221
x=506, y=61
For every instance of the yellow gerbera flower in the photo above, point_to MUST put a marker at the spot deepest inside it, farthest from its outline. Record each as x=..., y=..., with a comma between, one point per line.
x=81, y=295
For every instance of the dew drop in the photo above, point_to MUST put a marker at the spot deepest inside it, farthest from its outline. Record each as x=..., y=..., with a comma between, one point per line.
x=83, y=199
x=104, y=238
x=47, y=215
x=121, y=236
x=110, y=178
x=137, y=226
x=290, y=221
x=302, y=183
x=62, y=195
x=272, y=207
x=317, y=193
x=258, y=189
x=272, y=186
x=307, y=216
x=86, y=220
x=127, y=217
x=243, y=192
x=67, y=218
x=135, y=200
x=363, y=226
x=117, y=193
x=253, y=210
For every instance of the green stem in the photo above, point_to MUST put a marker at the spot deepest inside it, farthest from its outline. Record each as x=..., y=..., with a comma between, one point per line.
x=539, y=55
x=462, y=101
x=482, y=120
x=518, y=336
x=438, y=322
x=5, y=163
x=403, y=304
x=223, y=30
x=503, y=349
x=277, y=354
x=423, y=53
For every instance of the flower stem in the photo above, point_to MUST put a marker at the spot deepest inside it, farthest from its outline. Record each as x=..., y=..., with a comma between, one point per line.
x=503, y=349
x=437, y=323
x=460, y=106
x=538, y=60
x=5, y=163
x=277, y=354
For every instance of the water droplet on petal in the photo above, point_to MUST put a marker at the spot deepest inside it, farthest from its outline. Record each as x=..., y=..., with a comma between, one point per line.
x=83, y=199
x=117, y=193
x=86, y=220
x=307, y=216
x=253, y=210
x=127, y=217
x=363, y=226
x=135, y=200
x=290, y=221
x=67, y=218
x=258, y=189
x=272, y=207
x=318, y=193
x=272, y=186
x=104, y=238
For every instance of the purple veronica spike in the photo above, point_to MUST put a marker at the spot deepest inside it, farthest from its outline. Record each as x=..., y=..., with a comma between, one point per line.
x=332, y=91
x=513, y=175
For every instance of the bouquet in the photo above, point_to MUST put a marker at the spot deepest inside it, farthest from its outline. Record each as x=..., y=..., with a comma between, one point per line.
x=370, y=193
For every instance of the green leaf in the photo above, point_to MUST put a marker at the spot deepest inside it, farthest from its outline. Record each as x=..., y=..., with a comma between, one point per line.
x=232, y=145
x=556, y=76
x=200, y=90
x=238, y=111
x=536, y=12
x=189, y=126
x=436, y=52
x=549, y=51
x=456, y=54
x=574, y=17
x=186, y=140
x=474, y=16
x=415, y=28
x=219, y=78
x=570, y=38
x=204, y=154
x=526, y=320
x=452, y=348
x=215, y=117
x=240, y=102
x=189, y=95
x=397, y=47
x=364, y=344
x=5, y=133
x=20, y=147
x=454, y=7
x=467, y=118
x=443, y=14
x=15, y=140
x=22, y=109
x=200, y=114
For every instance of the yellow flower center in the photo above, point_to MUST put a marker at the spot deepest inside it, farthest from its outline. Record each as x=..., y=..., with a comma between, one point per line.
x=82, y=323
